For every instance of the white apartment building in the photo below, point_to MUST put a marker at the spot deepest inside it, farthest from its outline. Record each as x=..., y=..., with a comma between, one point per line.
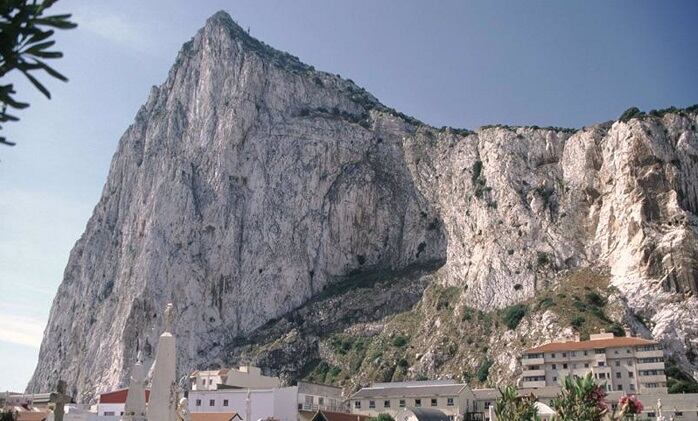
x=246, y=376
x=251, y=404
x=282, y=403
x=626, y=364
x=320, y=397
x=453, y=399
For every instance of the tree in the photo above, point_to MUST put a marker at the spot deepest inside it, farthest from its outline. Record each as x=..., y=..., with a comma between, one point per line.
x=382, y=417
x=24, y=45
x=511, y=406
x=582, y=399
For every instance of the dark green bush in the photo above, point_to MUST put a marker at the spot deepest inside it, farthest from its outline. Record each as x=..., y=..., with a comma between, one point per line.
x=595, y=299
x=630, y=113
x=400, y=341
x=577, y=321
x=514, y=314
x=484, y=370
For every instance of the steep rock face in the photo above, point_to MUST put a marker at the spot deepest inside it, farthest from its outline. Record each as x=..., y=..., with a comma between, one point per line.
x=274, y=204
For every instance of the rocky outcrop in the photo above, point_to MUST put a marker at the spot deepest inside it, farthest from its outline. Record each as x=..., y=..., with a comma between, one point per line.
x=275, y=205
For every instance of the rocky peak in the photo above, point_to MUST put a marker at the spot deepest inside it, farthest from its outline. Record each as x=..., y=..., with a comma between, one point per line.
x=275, y=204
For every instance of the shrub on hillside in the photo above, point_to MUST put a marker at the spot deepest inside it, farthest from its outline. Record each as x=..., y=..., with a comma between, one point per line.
x=514, y=314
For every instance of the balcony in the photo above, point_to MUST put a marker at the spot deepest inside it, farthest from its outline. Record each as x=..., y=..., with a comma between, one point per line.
x=654, y=378
x=649, y=354
x=650, y=366
x=533, y=361
x=537, y=372
x=538, y=383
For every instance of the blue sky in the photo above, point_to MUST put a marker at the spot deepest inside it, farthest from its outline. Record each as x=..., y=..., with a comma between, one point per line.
x=457, y=63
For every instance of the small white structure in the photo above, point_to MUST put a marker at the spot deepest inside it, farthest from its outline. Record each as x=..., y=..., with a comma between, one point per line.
x=244, y=377
x=163, y=391
x=545, y=412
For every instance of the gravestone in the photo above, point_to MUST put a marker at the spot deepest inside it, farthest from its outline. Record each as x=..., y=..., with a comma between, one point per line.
x=59, y=399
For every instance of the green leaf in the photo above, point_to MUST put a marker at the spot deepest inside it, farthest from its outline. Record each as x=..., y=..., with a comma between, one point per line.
x=39, y=47
x=48, y=54
x=38, y=84
x=51, y=71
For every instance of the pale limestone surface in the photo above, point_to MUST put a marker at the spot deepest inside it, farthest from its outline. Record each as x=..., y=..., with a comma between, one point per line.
x=250, y=184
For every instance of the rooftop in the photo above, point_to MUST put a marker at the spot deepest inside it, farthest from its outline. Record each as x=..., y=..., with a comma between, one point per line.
x=591, y=344
x=428, y=414
x=411, y=389
x=338, y=416
x=215, y=416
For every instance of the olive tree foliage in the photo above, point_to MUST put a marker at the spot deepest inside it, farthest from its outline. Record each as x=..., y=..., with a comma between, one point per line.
x=25, y=44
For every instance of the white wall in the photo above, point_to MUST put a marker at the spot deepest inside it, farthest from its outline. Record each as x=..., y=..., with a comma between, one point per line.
x=116, y=408
x=266, y=403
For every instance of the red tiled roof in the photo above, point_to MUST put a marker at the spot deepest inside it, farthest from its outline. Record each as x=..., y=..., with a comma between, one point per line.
x=215, y=416
x=338, y=416
x=118, y=396
x=599, y=343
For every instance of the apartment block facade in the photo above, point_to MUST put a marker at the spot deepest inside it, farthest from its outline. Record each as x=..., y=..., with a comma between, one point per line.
x=451, y=398
x=625, y=364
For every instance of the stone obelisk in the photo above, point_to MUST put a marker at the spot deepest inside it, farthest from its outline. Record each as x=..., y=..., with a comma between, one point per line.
x=135, y=399
x=162, y=404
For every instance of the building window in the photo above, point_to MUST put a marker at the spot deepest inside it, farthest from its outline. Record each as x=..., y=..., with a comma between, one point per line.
x=618, y=375
x=554, y=378
x=631, y=374
x=554, y=366
x=211, y=402
x=417, y=403
x=602, y=364
x=449, y=402
x=300, y=406
x=564, y=355
x=109, y=413
x=615, y=352
x=402, y=403
x=320, y=400
x=552, y=355
x=225, y=402
x=586, y=365
x=620, y=387
x=632, y=386
x=487, y=404
x=198, y=402
x=585, y=352
x=564, y=365
x=434, y=402
x=573, y=353
x=371, y=404
x=357, y=404
x=386, y=404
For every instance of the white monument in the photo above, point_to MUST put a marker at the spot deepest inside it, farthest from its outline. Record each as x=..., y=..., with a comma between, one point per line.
x=134, y=409
x=162, y=404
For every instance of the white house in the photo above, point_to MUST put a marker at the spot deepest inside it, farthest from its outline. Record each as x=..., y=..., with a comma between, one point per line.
x=245, y=376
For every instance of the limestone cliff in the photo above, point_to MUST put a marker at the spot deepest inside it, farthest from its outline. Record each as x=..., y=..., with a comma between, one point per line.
x=279, y=208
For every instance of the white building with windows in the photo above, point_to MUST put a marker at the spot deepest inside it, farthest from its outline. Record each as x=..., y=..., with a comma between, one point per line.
x=451, y=398
x=626, y=364
x=245, y=376
x=281, y=403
